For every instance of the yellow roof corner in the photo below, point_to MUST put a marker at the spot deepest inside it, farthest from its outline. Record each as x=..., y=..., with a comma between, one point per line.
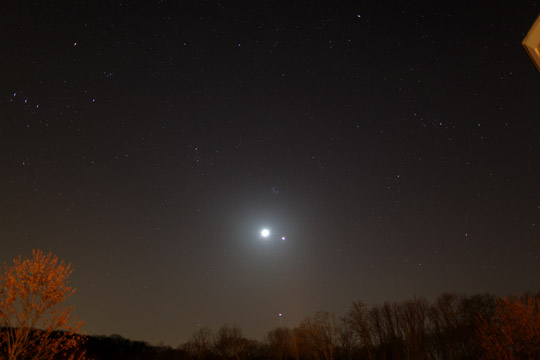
x=531, y=43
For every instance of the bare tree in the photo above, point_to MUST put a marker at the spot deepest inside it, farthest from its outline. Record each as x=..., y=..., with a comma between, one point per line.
x=473, y=308
x=200, y=345
x=375, y=318
x=394, y=342
x=35, y=323
x=414, y=324
x=346, y=341
x=230, y=343
x=279, y=341
x=321, y=334
x=298, y=343
x=451, y=331
x=358, y=322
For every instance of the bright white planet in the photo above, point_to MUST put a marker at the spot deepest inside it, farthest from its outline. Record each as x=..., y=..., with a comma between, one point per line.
x=265, y=232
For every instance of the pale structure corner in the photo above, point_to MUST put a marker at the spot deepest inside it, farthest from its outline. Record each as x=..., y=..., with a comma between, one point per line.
x=531, y=43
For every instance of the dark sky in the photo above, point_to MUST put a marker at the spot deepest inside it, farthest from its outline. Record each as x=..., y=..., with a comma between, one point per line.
x=395, y=145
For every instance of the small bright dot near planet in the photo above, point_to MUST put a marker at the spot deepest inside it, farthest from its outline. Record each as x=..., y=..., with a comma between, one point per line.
x=265, y=232
x=283, y=238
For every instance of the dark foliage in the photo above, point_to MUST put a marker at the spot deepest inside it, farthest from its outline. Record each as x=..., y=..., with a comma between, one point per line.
x=115, y=347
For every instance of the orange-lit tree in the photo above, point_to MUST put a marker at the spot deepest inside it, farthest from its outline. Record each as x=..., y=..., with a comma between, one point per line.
x=514, y=330
x=35, y=324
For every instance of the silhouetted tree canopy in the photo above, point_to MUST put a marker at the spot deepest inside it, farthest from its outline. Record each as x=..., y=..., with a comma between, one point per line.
x=453, y=326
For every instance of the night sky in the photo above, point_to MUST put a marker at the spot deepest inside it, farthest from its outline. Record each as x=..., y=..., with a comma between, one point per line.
x=394, y=145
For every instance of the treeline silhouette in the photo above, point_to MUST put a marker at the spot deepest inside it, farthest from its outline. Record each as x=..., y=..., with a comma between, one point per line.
x=453, y=326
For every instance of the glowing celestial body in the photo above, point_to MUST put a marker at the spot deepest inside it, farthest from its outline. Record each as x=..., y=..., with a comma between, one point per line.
x=283, y=238
x=265, y=232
